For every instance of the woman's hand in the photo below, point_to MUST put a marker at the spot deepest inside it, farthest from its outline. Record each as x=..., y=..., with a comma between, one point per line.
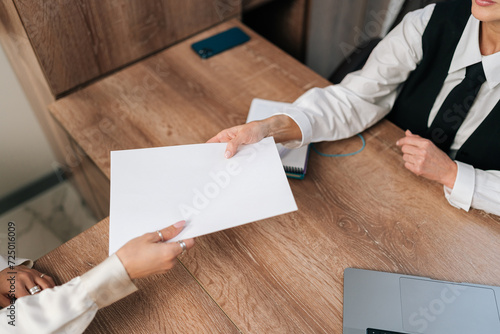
x=18, y=285
x=281, y=127
x=425, y=159
x=147, y=255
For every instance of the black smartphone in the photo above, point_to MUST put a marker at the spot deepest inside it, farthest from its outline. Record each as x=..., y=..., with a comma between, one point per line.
x=221, y=42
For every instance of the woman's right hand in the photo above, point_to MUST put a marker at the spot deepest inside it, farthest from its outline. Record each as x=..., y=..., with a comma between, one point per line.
x=147, y=255
x=249, y=133
x=281, y=127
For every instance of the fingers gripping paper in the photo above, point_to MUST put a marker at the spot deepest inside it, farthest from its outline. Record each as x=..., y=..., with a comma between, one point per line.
x=156, y=187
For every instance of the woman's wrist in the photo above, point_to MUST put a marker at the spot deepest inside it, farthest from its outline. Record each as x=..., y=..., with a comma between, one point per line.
x=449, y=180
x=283, y=128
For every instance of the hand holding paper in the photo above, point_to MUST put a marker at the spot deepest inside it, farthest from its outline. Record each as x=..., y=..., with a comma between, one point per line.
x=157, y=186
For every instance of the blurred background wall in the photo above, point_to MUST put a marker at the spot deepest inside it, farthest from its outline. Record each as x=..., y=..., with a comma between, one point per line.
x=25, y=153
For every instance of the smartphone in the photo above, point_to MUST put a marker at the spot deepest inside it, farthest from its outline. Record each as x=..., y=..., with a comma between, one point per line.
x=221, y=42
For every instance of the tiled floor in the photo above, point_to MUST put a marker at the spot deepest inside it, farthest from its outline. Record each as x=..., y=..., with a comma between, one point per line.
x=46, y=221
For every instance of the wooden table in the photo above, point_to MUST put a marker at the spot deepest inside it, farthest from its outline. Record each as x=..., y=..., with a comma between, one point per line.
x=280, y=275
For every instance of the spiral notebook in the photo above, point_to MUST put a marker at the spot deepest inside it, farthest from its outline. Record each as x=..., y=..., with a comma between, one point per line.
x=294, y=160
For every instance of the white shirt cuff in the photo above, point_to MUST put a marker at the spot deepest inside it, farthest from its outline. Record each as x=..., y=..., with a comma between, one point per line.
x=463, y=190
x=302, y=121
x=24, y=262
x=108, y=282
x=4, y=263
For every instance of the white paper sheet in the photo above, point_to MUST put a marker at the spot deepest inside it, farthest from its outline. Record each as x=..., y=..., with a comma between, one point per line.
x=156, y=187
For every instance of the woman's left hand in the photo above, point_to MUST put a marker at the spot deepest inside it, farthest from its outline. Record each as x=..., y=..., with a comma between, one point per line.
x=147, y=255
x=18, y=281
x=425, y=159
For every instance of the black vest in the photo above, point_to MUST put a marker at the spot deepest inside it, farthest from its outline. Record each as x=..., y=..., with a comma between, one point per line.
x=414, y=103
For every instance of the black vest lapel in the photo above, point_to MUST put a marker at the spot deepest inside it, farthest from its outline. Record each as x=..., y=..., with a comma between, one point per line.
x=482, y=149
x=414, y=103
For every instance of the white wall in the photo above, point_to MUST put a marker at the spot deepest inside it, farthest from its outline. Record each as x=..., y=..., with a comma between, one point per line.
x=25, y=154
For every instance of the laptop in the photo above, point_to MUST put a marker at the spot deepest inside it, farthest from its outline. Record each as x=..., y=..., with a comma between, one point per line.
x=384, y=303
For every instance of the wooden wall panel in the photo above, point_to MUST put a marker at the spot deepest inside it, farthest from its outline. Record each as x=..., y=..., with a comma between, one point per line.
x=99, y=183
x=79, y=40
x=92, y=184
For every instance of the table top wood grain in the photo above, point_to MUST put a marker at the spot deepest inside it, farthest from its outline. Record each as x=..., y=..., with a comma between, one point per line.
x=284, y=274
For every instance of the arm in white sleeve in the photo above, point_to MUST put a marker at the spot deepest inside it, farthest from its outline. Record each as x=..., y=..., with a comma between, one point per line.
x=69, y=308
x=364, y=97
x=475, y=188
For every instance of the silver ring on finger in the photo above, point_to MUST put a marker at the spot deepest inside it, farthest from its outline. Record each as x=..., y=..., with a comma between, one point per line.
x=35, y=289
x=183, y=246
x=161, y=236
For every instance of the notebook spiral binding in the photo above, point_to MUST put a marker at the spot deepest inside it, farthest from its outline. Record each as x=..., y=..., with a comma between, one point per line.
x=295, y=170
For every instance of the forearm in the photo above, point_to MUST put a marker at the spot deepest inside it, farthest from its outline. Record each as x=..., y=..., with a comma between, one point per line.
x=337, y=112
x=449, y=178
x=282, y=128
x=69, y=308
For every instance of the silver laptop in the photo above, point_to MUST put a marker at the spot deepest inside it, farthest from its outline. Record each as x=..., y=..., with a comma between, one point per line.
x=383, y=303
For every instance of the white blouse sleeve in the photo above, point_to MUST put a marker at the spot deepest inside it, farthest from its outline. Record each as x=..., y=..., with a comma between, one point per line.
x=475, y=188
x=69, y=308
x=4, y=262
x=364, y=97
